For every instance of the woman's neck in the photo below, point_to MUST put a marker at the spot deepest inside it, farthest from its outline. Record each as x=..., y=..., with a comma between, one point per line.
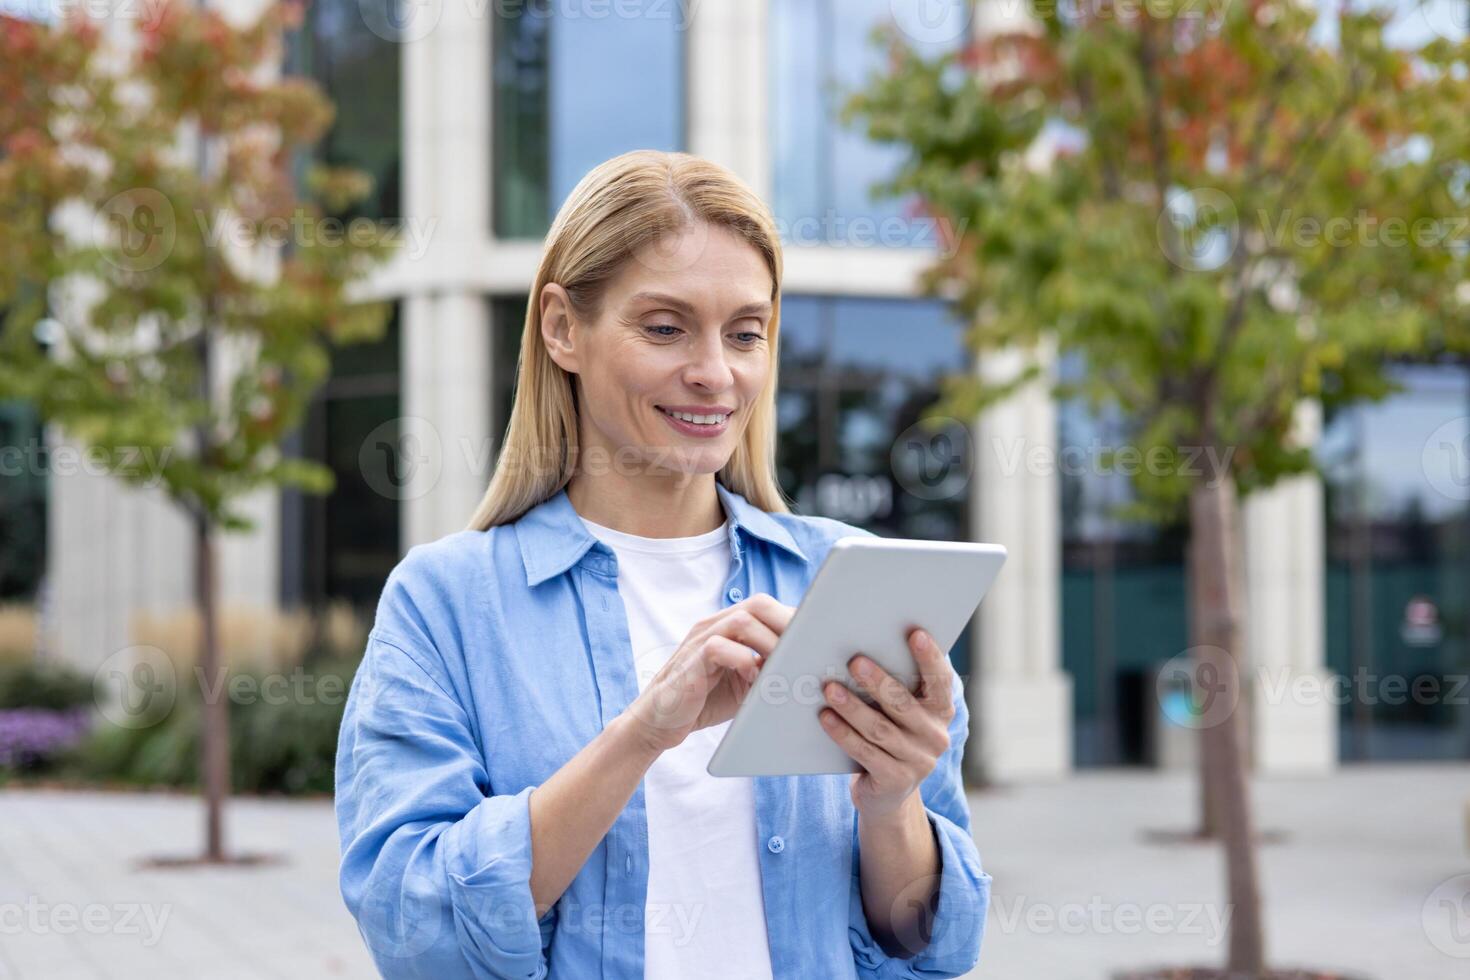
x=679, y=506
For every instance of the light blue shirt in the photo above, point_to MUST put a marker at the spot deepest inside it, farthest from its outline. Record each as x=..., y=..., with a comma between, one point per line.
x=494, y=658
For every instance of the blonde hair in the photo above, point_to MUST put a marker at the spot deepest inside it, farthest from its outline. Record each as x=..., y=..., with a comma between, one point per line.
x=619, y=207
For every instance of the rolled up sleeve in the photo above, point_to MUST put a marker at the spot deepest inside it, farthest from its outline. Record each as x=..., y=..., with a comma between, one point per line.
x=958, y=922
x=436, y=866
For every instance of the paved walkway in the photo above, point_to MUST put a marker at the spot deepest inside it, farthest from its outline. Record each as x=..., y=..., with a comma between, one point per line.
x=1078, y=892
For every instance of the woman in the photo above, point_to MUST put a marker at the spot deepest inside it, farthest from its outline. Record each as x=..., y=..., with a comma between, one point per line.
x=521, y=785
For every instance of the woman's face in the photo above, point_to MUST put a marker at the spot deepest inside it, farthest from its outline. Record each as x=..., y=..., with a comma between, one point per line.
x=683, y=330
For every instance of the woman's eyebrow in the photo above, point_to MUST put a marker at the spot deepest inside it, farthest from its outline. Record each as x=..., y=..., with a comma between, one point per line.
x=674, y=302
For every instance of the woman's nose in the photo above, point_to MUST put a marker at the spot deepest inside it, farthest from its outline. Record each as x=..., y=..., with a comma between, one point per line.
x=709, y=368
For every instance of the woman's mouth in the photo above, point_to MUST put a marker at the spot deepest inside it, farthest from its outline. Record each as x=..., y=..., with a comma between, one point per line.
x=699, y=424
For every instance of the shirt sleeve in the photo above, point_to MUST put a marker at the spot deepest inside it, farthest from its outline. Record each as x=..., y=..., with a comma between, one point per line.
x=435, y=865
x=958, y=922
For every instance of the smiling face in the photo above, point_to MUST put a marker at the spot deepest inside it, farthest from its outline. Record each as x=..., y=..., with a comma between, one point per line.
x=677, y=356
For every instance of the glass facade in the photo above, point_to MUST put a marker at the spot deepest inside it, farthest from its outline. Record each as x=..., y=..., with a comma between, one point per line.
x=23, y=488
x=1123, y=592
x=343, y=545
x=1398, y=567
x=573, y=91
x=360, y=71
x=823, y=170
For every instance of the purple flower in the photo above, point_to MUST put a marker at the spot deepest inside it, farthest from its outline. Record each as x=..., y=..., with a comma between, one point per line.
x=31, y=735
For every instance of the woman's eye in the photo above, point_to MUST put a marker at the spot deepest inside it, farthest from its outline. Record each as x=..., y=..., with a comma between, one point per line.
x=660, y=326
x=749, y=337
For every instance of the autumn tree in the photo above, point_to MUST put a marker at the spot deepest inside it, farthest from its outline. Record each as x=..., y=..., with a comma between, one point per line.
x=1224, y=210
x=162, y=231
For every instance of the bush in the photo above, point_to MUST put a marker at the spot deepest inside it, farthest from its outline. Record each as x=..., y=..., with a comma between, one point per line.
x=280, y=745
x=45, y=684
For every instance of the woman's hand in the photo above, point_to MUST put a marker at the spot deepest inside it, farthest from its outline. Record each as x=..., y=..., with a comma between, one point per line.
x=898, y=740
x=711, y=672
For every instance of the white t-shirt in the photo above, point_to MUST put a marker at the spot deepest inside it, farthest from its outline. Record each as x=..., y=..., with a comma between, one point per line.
x=705, y=914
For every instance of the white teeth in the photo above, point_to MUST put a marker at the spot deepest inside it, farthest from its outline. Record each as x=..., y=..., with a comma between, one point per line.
x=697, y=419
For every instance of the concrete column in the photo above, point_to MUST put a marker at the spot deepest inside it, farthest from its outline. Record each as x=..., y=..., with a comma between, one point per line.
x=112, y=551
x=445, y=370
x=1293, y=723
x=1020, y=699
x=726, y=71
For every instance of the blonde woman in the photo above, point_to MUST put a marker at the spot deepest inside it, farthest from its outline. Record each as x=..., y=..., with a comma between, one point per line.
x=521, y=785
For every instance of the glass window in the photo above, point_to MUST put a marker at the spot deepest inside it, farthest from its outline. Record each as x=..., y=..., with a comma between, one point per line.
x=359, y=70
x=855, y=376
x=573, y=91
x=1398, y=565
x=343, y=545
x=824, y=171
x=22, y=501
x=1124, y=599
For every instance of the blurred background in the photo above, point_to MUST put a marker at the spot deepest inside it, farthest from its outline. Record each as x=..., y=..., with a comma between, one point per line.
x=473, y=121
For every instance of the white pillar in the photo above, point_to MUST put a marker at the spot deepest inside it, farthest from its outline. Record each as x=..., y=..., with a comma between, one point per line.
x=1020, y=699
x=446, y=369
x=726, y=74
x=1293, y=723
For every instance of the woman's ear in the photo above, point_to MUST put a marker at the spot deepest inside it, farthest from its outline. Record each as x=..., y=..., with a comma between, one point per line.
x=558, y=328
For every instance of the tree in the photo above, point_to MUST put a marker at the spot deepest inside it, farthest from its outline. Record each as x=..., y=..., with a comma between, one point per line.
x=1225, y=213
x=154, y=231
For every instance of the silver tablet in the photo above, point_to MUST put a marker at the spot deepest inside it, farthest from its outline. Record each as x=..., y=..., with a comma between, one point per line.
x=866, y=597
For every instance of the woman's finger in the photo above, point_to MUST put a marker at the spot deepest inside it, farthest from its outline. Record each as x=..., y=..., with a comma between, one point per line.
x=873, y=724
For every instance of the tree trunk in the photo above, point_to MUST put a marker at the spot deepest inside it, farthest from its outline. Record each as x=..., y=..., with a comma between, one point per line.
x=214, y=756
x=1213, y=517
x=1207, y=768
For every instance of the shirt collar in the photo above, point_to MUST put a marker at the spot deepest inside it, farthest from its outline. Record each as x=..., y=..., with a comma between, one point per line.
x=553, y=538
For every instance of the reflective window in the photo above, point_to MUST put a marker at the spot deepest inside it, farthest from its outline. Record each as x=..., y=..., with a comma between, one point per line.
x=23, y=484
x=1398, y=566
x=573, y=91
x=855, y=376
x=1124, y=600
x=360, y=72
x=823, y=170
x=343, y=545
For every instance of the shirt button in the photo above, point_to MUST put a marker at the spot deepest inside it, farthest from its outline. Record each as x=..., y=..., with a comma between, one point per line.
x=776, y=845
x=735, y=594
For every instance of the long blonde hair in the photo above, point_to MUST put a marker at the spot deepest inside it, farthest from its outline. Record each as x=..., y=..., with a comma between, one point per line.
x=619, y=207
